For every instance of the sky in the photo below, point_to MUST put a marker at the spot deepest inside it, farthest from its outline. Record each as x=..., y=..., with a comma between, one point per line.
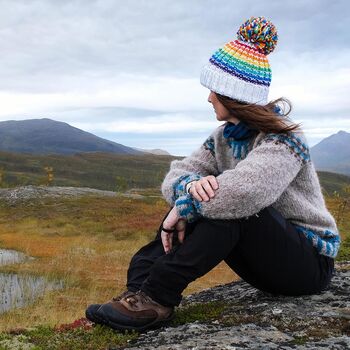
x=128, y=71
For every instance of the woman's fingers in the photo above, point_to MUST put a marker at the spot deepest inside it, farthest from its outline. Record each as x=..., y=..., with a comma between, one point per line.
x=167, y=239
x=181, y=236
x=204, y=189
x=208, y=189
x=199, y=191
x=195, y=194
x=213, y=182
x=180, y=227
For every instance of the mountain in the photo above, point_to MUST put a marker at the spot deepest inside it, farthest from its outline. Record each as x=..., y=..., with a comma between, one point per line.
x=157, y=151
x=44, y=136
x=333, y=153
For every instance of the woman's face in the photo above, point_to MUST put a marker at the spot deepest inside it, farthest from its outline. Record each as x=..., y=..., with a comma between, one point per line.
x=222, y=113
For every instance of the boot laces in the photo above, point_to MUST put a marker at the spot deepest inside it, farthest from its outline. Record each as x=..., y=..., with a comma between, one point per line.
x=138, y=296
x=117, y=298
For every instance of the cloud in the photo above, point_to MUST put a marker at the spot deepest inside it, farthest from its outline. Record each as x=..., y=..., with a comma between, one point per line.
x=84, y=61
x=163, y=123
x=317, y=84
x=125, y=90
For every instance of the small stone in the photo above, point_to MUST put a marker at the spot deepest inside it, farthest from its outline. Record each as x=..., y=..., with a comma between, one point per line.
x=276, y=311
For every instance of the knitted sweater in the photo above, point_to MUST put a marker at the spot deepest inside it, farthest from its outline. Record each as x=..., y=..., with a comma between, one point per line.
x=265, y=169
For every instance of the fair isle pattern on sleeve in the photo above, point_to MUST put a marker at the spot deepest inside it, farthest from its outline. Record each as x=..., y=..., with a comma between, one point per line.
x=179, y=186
x=188, y=208
x=326, y=242
x=210, y=145
x=299, y=149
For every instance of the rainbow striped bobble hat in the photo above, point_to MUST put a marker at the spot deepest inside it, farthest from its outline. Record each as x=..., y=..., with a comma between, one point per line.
x=240, y=69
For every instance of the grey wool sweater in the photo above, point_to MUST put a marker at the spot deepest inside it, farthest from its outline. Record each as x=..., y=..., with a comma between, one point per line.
x=266, y=169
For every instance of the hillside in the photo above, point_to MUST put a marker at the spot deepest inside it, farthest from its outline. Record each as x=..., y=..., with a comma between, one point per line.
x=331, y=181
x=47, y=136
x=333, y=153
x=97, y=170
x=100, y=170
x=154, y=151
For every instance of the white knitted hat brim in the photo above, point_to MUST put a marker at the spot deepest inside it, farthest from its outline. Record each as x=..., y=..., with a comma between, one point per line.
x=223, y=83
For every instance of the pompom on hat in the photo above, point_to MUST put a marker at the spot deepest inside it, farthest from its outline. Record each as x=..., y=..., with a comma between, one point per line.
x=240, y=69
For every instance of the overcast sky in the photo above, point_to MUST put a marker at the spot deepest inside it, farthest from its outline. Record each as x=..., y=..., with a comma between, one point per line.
x=129, y=71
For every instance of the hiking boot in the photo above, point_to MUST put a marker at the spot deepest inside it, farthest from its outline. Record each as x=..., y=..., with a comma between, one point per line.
x=136, y=311
x=90, y=312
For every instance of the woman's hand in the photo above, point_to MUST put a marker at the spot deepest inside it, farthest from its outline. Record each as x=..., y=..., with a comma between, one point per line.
x=203, y=189
x=172, y=221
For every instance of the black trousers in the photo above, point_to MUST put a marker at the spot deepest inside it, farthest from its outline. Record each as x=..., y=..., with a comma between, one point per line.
x=264, y=249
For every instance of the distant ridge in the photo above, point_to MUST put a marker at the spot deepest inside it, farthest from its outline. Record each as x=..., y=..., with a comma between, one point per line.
x=333, y=153
x=156, y=151
x=45, y=136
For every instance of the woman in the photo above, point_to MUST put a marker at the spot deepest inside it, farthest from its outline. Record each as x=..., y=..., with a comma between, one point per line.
x=249, y=195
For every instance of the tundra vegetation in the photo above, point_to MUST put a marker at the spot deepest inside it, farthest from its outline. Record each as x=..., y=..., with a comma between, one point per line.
x=87, y=242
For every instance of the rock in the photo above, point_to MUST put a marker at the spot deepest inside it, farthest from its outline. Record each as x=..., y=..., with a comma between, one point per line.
x=20, y=194
x=253, y=319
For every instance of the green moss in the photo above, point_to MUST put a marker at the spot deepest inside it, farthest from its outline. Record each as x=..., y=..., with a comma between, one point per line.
x=4, y=336
x=236, y=319
x=16, y=342
x=98, y=337
x=199, y=312
x=299, y=340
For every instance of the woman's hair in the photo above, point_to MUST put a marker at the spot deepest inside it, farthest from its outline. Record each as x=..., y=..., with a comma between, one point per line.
x=261, y=117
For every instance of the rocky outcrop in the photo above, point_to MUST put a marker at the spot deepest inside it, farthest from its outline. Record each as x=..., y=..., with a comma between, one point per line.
x=253, y=319
x=16, y=195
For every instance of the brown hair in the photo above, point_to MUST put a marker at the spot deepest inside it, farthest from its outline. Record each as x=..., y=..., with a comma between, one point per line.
x=261, y=117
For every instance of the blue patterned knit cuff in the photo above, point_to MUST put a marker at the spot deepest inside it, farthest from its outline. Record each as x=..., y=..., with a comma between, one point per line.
x=188, y=208
x=179, y=186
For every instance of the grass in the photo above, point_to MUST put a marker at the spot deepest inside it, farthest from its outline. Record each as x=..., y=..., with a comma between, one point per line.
x=87, y=169
x=80, y=335
x=339, y=206
x=79, y=338
x=88, y=243
x=333, y=182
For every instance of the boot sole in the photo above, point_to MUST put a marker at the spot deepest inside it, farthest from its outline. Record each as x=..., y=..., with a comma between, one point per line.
x=154, y=324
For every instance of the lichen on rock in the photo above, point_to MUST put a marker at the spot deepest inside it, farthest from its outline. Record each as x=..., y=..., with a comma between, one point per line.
x=252, y=319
